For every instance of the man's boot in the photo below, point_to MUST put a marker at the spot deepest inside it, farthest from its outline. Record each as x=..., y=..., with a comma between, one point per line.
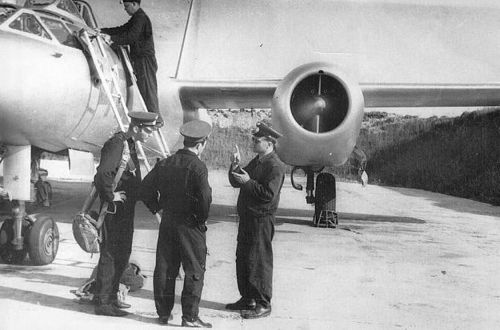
x=109, y=310
x=195, y=323
x=242, y=304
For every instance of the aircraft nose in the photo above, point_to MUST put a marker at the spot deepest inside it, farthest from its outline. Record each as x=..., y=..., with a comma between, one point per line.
x=12, y=75
x=30, y=85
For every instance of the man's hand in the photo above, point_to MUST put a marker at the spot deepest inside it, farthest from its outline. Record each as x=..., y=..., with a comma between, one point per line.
x=236, y=157
x=107, y=38
x=241, y=178
x=119, y=196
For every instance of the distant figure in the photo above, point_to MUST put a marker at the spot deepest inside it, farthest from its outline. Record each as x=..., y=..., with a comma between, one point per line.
x=260, y=185
x=43, y=189
x=179, y=186
x=138, y=33
x=360, y=164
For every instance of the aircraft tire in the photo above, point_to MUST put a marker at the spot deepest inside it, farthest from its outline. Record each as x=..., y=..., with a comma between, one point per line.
x=7, y=252
x=43, y=241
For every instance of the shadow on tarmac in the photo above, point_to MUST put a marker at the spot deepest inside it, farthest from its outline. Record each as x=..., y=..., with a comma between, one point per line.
x=72, y=304
x=224, y=213
x=41, y=299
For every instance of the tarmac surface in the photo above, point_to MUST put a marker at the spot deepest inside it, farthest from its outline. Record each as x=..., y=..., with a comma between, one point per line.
x=400, y=259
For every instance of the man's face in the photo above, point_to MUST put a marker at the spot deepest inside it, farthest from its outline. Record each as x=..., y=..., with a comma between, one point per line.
x=130, y=7
x=143, y=133
x=260, y=144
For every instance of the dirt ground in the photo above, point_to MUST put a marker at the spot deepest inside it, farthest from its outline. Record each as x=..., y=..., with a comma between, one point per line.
x=400, y=259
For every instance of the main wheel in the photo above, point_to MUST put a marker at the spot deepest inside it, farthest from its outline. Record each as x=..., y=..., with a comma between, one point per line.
x=43, y=241
x=7, y=251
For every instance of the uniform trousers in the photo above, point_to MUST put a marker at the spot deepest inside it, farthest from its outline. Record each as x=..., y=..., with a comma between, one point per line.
x=179, y=242
x=254, y=258
x=145, y=68
x=116, y=246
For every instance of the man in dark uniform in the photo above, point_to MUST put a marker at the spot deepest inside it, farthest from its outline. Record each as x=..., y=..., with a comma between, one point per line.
x=260, y=184
x=179, y=186
x=138, y=33
x=118, y=226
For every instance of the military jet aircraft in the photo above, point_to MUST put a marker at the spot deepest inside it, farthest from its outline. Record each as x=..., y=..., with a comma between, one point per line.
x=316, y=64
x=51, y=100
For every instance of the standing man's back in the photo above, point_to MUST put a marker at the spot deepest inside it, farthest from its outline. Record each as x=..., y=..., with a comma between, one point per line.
x=179, y=186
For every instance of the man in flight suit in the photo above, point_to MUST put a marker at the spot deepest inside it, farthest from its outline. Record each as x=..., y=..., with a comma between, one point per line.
x=179, y=186
x=118, y=226
x=260, y=184
x=138, y=33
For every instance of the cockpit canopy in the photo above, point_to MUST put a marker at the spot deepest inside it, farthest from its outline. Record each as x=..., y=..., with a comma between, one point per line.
x=73, y=10
x=50, y=20
x=66, y=5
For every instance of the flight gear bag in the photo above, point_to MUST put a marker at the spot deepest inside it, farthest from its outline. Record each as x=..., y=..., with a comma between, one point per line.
x=87, y=224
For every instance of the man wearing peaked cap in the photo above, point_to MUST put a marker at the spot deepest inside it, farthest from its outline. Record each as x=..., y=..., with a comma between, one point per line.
x=195, y=131
x=144, y=119
x=118, y=225
x=179, y=186
x=260, y=185
x=262, y=130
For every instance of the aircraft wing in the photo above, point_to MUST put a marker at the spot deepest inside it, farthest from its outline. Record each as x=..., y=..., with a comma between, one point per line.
x=259, y=94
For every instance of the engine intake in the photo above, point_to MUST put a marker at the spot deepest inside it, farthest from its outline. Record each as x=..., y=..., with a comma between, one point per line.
x=319, y=103
x=319, y=110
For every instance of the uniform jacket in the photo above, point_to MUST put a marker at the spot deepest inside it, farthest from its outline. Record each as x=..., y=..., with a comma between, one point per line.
x=182, y=183
x=111, y=155
x=137, y=32
x=261, y=194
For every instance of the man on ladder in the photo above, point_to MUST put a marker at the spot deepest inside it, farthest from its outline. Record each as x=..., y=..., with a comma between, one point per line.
x=138, y=34
x=118, y=227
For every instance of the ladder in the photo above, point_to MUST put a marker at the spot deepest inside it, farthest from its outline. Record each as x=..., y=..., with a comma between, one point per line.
x=158, y=134
x=112, y=90
x=114, y=96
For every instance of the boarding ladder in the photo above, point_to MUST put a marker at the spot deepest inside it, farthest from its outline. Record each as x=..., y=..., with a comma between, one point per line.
x=115, y=97
x=111, y=88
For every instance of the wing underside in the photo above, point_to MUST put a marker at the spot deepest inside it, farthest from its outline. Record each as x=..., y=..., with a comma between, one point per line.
x=259, y=94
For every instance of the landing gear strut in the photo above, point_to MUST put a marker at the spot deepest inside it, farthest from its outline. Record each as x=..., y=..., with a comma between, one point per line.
x=22, y=234
x=324, y=200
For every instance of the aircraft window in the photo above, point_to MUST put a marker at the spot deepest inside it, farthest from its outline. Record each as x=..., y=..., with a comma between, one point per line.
x=73, y=28
x=6, y=13
x=60, y=31
x=31, y=3
x=69, y=6
x=28, y=23
x=86, y=13
x=74, y=32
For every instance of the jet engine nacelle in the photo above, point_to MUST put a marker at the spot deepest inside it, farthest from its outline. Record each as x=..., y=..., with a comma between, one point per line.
x=318, y=108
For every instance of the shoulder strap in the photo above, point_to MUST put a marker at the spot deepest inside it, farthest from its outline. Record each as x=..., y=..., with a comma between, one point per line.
x=119, y=173
x=123, y=163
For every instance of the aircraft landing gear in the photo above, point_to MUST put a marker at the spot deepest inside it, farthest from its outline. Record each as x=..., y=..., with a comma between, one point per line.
x=22, y=234
x=324, y=200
